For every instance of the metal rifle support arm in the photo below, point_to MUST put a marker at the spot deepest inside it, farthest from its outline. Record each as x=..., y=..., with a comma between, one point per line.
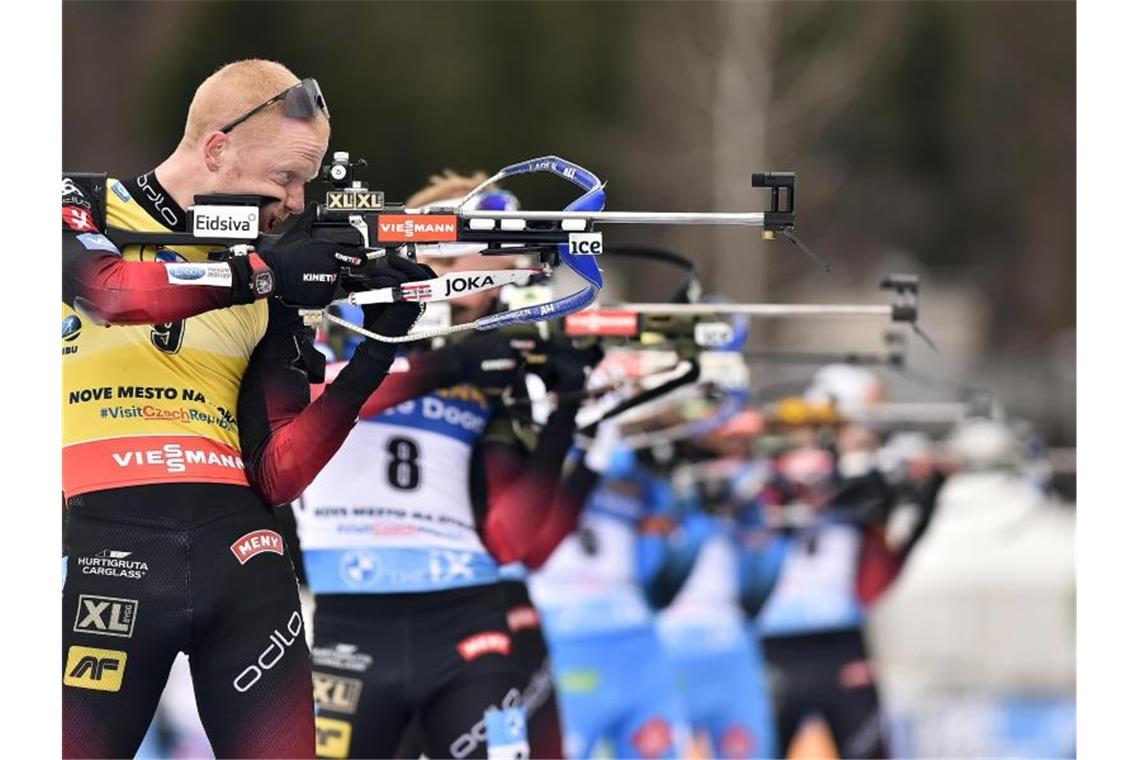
x=905, y=287
x=905, y=308
x=782, y=210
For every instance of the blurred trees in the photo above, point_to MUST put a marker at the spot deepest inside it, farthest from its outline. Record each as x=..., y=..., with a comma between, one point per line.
x=944, y=130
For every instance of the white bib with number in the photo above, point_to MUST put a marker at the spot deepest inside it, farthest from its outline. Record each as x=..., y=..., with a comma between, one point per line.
x=392, y=512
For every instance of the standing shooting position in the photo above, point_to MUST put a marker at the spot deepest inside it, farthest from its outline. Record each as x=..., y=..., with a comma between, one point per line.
x=187, y=419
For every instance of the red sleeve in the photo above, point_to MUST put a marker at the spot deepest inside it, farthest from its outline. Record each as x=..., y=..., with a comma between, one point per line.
x=286, y=440
x=562, y=520
x=97, y=281
x=878, y=566
x=117, y=292
x=530, y=507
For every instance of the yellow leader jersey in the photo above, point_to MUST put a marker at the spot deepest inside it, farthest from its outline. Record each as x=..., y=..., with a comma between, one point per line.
x=147, y=404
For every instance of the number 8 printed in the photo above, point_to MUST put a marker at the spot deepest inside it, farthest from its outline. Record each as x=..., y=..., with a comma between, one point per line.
x=404, y=468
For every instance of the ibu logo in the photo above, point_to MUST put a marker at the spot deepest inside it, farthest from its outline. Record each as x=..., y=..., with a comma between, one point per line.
x=71, y=328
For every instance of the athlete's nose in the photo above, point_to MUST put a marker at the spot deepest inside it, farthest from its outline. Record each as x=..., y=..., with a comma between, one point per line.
x=295, y=198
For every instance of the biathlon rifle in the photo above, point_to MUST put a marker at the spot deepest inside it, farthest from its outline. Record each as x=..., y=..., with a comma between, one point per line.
x=569, y=237
x=656, y=316
x=689, y=329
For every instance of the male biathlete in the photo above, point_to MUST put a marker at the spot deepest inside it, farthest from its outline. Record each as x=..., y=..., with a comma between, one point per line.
x=186, y=411
x=839, y=561
x=729, y=562
x=404, y=532
x=614, y=681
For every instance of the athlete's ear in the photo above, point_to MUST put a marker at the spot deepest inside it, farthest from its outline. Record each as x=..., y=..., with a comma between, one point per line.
x=214, y=148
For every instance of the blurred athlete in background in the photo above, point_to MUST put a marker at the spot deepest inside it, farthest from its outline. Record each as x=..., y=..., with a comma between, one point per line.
x=597, y=595
x=733, y=563
x=834, y=505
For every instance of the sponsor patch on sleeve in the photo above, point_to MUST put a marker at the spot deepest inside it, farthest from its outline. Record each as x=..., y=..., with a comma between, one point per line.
x=73, y=196
x=214, y=273
x=96, y=241
x=78, y=219
x=523, y=617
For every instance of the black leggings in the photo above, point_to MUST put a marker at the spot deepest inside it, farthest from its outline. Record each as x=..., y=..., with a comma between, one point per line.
x=544, y=724
x=529, y=650
x=197, y=568
x=385, y=662
x=829, y=674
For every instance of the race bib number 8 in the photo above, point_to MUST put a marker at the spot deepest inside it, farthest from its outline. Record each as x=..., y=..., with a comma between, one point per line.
x=404, y=465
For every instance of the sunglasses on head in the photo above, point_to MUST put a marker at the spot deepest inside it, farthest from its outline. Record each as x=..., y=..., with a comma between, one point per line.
x=302, y=101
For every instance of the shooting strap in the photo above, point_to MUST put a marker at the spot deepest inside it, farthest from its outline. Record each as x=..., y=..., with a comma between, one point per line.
x=585, y=266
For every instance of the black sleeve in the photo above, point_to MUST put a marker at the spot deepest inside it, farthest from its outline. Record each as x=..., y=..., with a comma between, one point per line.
x=927, y=500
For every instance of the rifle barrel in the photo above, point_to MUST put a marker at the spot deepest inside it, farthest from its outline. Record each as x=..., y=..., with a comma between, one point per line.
x=750, y=219
x=761, y=309
x=937, y=412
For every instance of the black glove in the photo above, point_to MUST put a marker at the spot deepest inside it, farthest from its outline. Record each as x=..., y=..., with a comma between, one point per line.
x=565, y=368
x=392, y=319
x=305, y=268
x=487, y=361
